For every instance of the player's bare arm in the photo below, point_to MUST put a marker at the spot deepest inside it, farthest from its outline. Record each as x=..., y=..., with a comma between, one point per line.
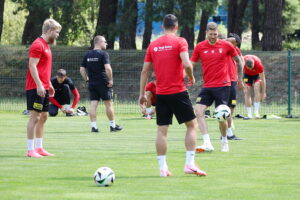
x=263, y=85
x=34, y=73
x=109, y=75
x=143, y=81
x=51, y=90
x=84, y=74
x=188, y=66
x=239, y=64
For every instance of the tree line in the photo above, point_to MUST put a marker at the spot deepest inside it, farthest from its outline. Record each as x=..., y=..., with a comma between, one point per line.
x=118, y=19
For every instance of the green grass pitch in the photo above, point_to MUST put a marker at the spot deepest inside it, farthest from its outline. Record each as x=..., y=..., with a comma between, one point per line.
x=265, y=165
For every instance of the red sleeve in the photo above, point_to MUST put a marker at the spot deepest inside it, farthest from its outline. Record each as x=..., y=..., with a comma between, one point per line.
x=76, y=97
x=148, y=57
x=231, y=50
x=183, y=45
x=259, y=66
x=36, y=50
x=195, y=55
x=53, y=101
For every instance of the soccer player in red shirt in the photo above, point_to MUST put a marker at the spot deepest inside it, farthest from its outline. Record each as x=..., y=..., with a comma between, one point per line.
x=235, y=40
x=39, y=87
x=151, y=96
x=168, y=55
x=254, y=75
x=213, y=54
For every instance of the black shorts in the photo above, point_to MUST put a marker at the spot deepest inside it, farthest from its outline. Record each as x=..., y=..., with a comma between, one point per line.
x=218, y=94
x=36, y=102
x=232, y=95
x=178, y=104
x=249, y=80
x=98, y=92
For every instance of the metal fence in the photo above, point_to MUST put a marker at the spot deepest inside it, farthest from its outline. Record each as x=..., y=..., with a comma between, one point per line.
x=283, y=80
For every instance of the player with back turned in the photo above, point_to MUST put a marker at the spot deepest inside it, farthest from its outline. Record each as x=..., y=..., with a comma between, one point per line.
x=168, y=55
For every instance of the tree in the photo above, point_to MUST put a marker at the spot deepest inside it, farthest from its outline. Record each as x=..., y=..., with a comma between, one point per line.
x=127, y=25
x=255, y=25
x=187, y=21
x=34, y=22
x=272, y=38
x=168, y=7
x=148, y=24
x=207, y=9
x=106, y=22
x=1, y=16
x=236, y=11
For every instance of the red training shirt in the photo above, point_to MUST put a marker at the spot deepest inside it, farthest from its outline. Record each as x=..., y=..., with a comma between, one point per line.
x=232, y=65
x=40, y=49
x=258, y=66
x=214, y=59
x=151, y=87
x=164, y=53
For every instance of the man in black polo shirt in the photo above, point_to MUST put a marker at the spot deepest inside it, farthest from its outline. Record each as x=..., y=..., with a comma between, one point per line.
x=63, y=86
x=96, y=70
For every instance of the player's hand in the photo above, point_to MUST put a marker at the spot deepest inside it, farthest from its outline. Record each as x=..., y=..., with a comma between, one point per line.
x=240, y=84
x=110, y=84
x=71, y=111
x=142, y=100
x=41, y=91
x=63, y=110
x=263, y=96
x=191, y=81
x=51, y=91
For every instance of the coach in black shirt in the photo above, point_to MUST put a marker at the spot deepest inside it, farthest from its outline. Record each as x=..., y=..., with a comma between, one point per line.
x=96, y=70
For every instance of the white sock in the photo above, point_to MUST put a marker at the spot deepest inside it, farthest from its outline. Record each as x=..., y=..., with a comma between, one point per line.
x=112, y=123
x=224, y=139
x=68, y=107
x=30, y=145
x=94, y=124
x=249, y=112
x=256, y=107
x=206, y=138
x=148, y=111
x=162, y=162
x=190, y=158
x=38, y=143
x=229, y=132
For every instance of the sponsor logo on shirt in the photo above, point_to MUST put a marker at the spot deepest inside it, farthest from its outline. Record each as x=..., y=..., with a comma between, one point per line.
x=92, y=59
x=163, y=48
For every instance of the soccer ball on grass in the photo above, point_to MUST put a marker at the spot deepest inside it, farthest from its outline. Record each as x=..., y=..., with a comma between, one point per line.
x=104, y=176
x=222, y=112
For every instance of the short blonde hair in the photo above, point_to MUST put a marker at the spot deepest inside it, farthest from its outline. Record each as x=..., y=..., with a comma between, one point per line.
x=98, y=38
x=50, y=24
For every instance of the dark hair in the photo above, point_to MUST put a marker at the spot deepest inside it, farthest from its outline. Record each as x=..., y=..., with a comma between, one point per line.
x=170, y=21
x=236, y=37
x=61, y=72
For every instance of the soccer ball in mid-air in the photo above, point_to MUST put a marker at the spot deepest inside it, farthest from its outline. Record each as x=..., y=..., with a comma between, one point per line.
x=222, y=112
x=104, y=176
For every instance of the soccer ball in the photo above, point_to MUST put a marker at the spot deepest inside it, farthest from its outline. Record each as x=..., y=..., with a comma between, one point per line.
x=222, y=112
x=104, y=176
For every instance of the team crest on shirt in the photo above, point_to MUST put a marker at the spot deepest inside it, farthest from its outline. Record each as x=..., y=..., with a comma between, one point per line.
x=205, y=51
x=220, y=50
x=155, y=48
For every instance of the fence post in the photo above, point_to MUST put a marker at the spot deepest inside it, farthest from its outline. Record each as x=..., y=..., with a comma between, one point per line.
x=289, y=83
